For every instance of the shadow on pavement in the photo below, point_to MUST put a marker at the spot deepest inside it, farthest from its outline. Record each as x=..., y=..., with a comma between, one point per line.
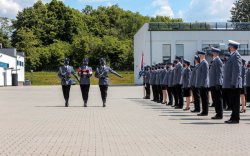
x=179, y=115
x=204, y=123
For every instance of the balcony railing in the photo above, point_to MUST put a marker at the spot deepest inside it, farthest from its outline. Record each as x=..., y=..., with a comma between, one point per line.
x=226, y=26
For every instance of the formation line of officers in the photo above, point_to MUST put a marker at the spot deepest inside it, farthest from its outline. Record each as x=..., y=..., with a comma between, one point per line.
x=227, y=79
x=83, y=76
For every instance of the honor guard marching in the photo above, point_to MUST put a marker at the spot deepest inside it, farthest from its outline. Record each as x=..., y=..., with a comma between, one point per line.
x=102, y=74
x=64, y=74
x=195, y=89
x=85, y=72
x=202, y=82
x=178, y=83
x=215, y=83
x=233, y=81
x=186, y=83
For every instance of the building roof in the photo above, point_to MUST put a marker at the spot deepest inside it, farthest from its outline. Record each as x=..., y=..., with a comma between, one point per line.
x=11, y=52
x=199, y=26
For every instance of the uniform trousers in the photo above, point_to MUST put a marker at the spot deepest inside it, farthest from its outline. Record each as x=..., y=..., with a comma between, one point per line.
x=234, y=100
x=197, y=98
x=175, y=93
x=155, y=92
x=225, y=96
x=104, y=90
x=147, y=88
x=248, y=94
x=216, y=93
x=85, y=91
x=66, y=91
x=170, y=95
x=160, y=94
x=204, y=100
x=179, y=95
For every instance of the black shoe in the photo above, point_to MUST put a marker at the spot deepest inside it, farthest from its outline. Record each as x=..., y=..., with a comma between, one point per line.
x=186, y=109
x=169, y=104
x=195, y=111
x=178, y=107
x=104, y=105
x=232, y=122
x=67, y=103
x=202, y=114
x=216, y=117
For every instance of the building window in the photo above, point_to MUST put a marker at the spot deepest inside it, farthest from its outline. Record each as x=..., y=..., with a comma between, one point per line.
x=243, y=50
x=166, y=53
x=180, y=50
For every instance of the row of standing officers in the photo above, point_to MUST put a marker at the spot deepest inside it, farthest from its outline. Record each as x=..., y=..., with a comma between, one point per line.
x=227, y=79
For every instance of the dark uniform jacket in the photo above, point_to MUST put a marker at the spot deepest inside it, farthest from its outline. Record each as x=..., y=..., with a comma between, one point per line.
x=65, y=73
x=215, y=73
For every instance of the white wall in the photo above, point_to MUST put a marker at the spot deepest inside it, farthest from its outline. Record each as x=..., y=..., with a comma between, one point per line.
x=192, y=41
x=12, y=64
x=1, y=76
x=21, y=69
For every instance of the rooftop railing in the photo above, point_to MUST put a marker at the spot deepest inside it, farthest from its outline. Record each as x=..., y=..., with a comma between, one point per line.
x=219, y=26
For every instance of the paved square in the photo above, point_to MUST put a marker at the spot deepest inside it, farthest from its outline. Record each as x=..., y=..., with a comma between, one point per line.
x=33, y=121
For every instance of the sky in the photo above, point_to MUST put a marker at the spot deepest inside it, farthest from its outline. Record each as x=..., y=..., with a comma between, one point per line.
x=189, y=10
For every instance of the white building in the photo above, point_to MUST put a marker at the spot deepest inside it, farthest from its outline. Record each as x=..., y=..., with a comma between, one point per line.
x=11, y=62
x=161, y=42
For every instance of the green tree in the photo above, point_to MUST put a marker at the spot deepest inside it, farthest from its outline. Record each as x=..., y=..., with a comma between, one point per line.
x=241, y=11
x=4, y=39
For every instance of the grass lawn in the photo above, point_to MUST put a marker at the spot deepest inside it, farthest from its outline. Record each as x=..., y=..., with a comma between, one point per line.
x=50, y=78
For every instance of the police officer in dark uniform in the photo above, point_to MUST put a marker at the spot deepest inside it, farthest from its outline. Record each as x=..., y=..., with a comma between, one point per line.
x=195, y=90
x=158, y=83
x=64, y=74
x=233, y=81
x=170, y=83
x=215, y=81
x=225, y=91
x=186, y=83
x=146, y=80
x=173, y=83
x=102, y=73
x=152, y=82
x=243, y=89
x=202, y=82
x=85, y=72
x=177, y=82
x=248, y=81
x=164, y=84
